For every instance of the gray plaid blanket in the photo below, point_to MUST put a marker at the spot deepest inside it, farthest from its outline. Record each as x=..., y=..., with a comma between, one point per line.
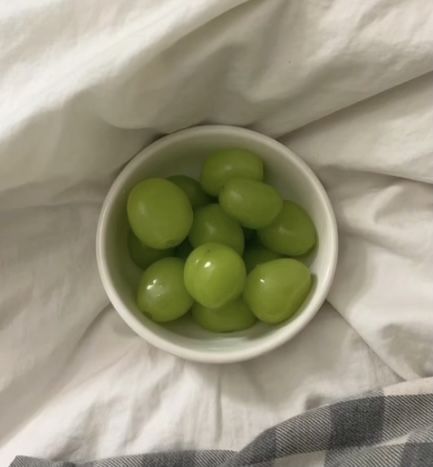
x=390, y=428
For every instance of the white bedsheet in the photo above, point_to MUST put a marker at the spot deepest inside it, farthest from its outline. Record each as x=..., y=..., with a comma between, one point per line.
x=84, y=86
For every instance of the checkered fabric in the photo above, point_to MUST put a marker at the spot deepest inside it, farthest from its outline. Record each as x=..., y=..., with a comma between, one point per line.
x=390, y=428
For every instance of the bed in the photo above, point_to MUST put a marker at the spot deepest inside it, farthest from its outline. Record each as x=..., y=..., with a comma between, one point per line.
x=84, y=86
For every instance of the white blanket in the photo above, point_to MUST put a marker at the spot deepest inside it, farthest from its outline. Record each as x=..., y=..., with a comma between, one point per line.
x=84, y=86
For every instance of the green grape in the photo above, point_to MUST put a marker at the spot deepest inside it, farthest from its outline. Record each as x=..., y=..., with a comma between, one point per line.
x=225, y=164
x=212, y=224
x=183, y=250
x=214, y=275
x=159, y=213
x=258, y=254
x=161, y=291
x=234, y=316
x=292, y=233
x=254, y=204
x=275, y=290
x=142, y=255
x=192, y=189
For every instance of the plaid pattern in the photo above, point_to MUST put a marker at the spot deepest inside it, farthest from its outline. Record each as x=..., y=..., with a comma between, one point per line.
x=391, y=428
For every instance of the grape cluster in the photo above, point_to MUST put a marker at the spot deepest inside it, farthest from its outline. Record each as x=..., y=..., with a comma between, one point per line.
x=223, y=248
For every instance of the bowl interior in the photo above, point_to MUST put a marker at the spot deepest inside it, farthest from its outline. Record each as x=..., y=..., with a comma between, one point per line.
x=184, y=153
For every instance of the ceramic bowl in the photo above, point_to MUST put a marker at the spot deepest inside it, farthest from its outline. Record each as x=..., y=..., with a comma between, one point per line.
x=184, y=153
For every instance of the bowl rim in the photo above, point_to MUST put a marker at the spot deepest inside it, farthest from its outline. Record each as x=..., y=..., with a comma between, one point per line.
x=284, y=334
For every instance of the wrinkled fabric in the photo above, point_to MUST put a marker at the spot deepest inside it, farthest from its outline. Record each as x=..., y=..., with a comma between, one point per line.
x=84, y=87
x=370, y=430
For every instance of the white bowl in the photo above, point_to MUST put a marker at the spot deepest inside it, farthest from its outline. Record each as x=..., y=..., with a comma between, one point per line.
x=184, y=153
